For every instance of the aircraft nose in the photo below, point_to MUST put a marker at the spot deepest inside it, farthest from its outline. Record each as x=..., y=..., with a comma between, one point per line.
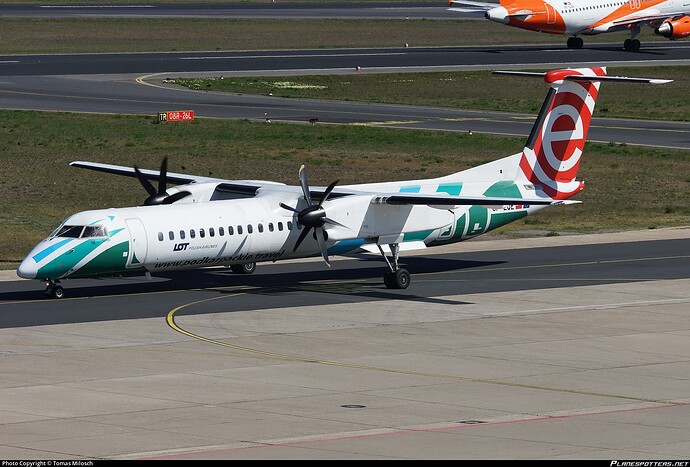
x=28, y=268
x=498, y=14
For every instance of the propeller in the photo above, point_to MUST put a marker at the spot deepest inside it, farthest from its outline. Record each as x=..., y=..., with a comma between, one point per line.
x=159, y=196
x=313, y=216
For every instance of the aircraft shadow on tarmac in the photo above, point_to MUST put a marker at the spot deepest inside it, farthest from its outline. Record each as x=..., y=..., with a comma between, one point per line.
x=269, y=279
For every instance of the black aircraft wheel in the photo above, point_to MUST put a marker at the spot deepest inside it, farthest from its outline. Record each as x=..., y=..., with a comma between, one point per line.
x=244, y=268
x=575, y=43
x=402, y=279
x=57, y=292
x=631, y=45
x=389, y=279
x=399, y=279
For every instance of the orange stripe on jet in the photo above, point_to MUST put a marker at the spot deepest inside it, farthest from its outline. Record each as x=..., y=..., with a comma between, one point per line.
x=626, y=10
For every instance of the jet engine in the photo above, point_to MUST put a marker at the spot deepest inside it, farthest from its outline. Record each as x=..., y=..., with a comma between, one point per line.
x=676, y=29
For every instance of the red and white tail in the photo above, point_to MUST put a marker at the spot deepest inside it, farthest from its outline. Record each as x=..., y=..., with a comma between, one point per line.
x=551, y=156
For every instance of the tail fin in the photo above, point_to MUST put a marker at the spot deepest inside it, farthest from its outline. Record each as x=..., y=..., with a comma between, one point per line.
x=551, y=156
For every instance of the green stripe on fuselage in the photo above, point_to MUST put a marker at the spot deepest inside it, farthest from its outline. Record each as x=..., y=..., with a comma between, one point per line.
x=60, y=266
x=110, y=262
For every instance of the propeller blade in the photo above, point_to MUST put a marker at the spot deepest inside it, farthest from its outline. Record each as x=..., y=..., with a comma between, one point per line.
x=289, y=208
x=145, y=182
x=304, y=233
x=328, y=192
x=322, y=244
x=176, y=197
x=163, y=178
x=305, y=184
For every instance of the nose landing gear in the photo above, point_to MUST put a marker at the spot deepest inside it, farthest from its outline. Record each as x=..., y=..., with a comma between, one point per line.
x=54, y=289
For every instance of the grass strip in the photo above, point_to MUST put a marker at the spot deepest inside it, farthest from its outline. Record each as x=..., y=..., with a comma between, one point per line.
x=470, y=90
x=100, y=35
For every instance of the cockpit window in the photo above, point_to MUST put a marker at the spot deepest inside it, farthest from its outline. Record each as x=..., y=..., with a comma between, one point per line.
x=94, y=231
x=81, y=231
x=71, y=231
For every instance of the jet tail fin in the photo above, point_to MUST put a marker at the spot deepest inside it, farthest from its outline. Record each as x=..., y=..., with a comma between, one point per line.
x=552, y=153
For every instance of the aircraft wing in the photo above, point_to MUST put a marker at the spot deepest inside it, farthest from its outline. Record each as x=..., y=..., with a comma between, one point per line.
x=172, y=177
x=467, y=6
x=237, y=186
x=648, y=16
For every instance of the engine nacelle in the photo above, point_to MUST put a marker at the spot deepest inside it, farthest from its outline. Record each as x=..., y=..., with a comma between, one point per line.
x=677, y=29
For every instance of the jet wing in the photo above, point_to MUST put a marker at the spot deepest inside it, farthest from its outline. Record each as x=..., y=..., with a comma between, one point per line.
x=647, y=16
x=467, y=6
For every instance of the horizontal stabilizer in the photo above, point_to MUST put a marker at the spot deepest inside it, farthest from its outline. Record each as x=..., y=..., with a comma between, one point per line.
x=400, y=199
x=589, y=78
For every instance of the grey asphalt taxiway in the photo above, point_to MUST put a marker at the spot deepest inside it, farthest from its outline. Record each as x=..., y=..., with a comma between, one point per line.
x=570, y=347
x=134, y=84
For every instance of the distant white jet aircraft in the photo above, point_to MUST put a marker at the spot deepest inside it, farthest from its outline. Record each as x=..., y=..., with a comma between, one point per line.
x=669, y=18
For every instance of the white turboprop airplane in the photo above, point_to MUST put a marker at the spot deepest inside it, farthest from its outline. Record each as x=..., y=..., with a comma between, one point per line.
x=206, y=222
x=669, y=18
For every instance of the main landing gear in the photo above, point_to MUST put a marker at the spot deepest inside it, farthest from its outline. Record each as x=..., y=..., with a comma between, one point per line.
x=632, y=44
x=54, y=289
x=244, y=268
x=575, y=42
x=396, y=277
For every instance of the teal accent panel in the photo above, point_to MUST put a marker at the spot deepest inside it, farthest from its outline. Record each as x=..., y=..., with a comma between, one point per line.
x=410, y=189
x=452, y=189
x=499, y=219
x=43, y=253
x=459, y=228
x=68, y=260
x=503, y=189
x=415, y=236
x=345, y=246
x=111, y=262
x=478, y=219
x=114, y=232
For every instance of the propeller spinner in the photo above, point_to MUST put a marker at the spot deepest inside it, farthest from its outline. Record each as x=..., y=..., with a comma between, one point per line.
x=159, y=196
x=313, y=216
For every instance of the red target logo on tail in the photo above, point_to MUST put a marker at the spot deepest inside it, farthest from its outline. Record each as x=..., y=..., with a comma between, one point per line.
x=552, y=155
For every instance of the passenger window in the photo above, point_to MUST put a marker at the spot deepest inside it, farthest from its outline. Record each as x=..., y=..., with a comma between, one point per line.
x=211, y=232
x=270, y=226
x=289, y=225
x=261, y=228
x=160, y=236
x=239, y=230
x=182, y=235
x=202, y=233
x=250, y=229
x=192, y=234
x=280, y=226
x=230, y=230
x=221, y=231
x=171, y=235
